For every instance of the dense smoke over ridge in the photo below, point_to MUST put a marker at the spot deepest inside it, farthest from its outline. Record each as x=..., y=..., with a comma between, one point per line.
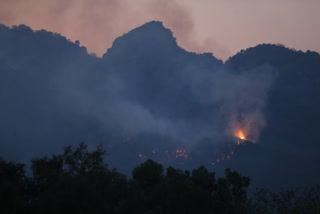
x=144, y=84
x=148, y=96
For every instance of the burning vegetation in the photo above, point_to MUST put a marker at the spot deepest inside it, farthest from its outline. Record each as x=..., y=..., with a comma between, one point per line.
x=209, y=149
x=240, y=134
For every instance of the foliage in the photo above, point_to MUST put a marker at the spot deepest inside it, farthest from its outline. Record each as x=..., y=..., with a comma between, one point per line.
x=78, y=181
x=12, y=187
x=300, y=200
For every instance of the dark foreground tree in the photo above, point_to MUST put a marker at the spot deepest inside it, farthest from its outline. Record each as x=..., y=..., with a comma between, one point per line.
x=299, y=200
x=78, y=181
x=13, y=196
x=182, y=192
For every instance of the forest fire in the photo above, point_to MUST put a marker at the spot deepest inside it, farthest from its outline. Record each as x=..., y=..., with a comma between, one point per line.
x=241, y=135
x=165, y=155
x=222, y=151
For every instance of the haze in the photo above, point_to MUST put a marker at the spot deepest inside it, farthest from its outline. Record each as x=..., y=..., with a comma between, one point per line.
x=218, y=26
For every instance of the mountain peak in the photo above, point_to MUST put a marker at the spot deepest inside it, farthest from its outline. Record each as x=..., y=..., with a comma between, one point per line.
x=152, y=35
x=152, y=25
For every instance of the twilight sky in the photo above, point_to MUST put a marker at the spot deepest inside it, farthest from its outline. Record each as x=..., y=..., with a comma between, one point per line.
x=220, y=26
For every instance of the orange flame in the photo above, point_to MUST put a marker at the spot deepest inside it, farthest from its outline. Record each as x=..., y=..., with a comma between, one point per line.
x=241, y=135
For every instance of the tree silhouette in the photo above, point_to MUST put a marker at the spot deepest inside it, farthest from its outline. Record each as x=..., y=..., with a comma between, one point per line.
x=148, y=173
x=13, y=196
x=78, y=181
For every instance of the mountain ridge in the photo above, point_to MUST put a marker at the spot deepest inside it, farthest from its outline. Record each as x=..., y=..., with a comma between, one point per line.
x=158, y=25
x=55, y=93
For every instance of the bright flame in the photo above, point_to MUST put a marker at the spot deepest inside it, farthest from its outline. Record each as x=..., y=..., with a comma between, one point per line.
x=241, y=135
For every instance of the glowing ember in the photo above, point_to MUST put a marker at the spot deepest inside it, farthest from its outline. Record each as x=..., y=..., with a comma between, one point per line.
x=181, y=153
x=142, y=156
x=241, y=135
x=241, y=139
